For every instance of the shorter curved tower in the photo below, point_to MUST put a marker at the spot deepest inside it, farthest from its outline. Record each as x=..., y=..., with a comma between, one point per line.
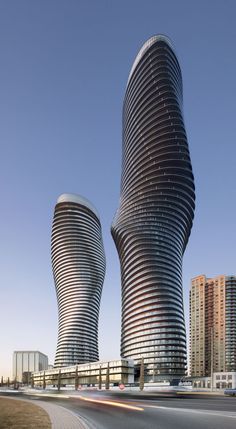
x=78, y=262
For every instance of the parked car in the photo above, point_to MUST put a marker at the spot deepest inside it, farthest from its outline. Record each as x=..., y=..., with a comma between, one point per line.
x=230, y=392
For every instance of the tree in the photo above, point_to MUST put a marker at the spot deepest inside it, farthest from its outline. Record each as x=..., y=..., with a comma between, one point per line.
x=32, y=381
x=2, y=381
x=141, y=377
x=76, y=378
x=108, y=377
x=15, y=384
x=100, y=378
x=59, y=380
x=44, y=380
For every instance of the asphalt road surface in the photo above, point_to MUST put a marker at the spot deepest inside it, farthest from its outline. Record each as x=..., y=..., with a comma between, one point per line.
x=107, y=410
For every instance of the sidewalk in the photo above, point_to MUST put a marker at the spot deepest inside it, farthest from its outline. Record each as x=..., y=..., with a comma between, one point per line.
x=60, y=417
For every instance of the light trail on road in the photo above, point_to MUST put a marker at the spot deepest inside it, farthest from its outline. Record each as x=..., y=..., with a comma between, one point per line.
x=112, y=403
x=106, y=410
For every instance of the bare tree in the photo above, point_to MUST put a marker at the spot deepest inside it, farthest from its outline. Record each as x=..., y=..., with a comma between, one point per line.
x=108, y=377
x=76, y=378
x=32, y=381
x=44, y=380
x=100, y=378
x=59, y=380
x=141, y=377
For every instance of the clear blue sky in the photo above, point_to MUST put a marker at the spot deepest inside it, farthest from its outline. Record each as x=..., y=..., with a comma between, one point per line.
x=64, y=65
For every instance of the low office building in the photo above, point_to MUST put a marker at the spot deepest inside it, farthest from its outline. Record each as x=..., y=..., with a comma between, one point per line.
x=27, y=361
x=221, y=380
x=224, y=380
x=116, y=371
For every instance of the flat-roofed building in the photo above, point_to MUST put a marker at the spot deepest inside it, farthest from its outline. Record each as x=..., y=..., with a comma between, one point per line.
x=117, y=371
x=27, y=361
x=197, y=326
x=218, y=380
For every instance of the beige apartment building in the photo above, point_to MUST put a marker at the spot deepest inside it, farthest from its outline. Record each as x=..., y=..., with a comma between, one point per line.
x=212, y=325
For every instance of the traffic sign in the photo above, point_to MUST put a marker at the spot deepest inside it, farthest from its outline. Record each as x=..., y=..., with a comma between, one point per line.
x=121, y=386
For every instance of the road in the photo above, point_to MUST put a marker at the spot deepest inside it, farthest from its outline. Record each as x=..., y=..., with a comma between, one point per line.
x=110, y=410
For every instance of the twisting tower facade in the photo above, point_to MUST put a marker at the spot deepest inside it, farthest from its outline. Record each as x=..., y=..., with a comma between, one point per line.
x=153, y=222
x=78, y=262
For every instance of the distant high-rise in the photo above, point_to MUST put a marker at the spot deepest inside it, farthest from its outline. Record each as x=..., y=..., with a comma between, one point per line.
x=212, y=325
x=78, y=262
x=152, y=225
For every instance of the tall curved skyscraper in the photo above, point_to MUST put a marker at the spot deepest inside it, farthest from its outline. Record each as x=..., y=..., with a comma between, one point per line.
x=153, y=222
x=78, y=262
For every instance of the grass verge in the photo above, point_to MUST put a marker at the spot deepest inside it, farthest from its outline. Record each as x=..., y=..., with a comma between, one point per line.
x=15, y=414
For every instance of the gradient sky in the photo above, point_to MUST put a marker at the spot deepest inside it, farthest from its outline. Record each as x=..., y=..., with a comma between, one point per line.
x=64, y=65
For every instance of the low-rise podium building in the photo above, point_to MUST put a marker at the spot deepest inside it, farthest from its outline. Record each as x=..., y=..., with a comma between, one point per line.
x=117, y=371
